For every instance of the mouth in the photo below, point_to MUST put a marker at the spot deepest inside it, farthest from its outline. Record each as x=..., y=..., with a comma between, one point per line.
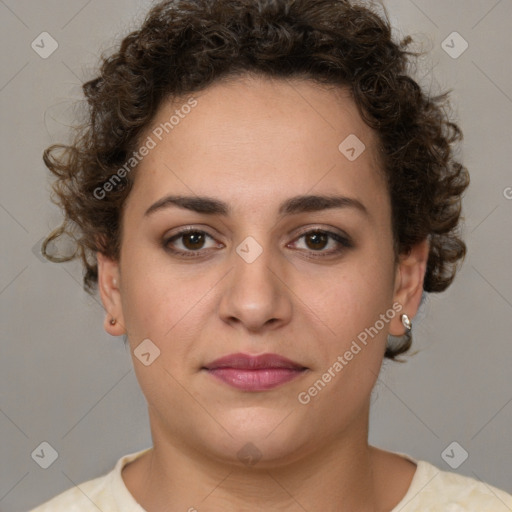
x=254, y=373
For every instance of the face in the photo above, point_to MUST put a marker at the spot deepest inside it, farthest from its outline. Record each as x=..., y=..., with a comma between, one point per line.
x=263, y=269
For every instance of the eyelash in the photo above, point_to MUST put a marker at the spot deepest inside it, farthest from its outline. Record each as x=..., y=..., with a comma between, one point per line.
x=343, y=241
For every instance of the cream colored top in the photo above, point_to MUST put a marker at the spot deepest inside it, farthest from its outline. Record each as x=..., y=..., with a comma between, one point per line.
x=431, y=490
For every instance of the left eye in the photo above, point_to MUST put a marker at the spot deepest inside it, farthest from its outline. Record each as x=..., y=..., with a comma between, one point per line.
x=193, y=240
x=316, y=240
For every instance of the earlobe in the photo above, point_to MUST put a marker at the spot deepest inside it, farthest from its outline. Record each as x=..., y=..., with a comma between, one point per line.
x=410, y=276
x=108, y=284
x=113, y=326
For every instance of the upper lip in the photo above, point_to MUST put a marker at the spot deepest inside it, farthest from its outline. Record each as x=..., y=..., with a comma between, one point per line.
x=248, y=362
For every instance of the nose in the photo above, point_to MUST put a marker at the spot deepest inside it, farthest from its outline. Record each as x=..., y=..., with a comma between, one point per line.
x=256, y=295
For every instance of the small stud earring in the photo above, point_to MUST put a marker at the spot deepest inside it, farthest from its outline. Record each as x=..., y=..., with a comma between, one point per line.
x=406, y=322
x=112, y=321
x=401, y=342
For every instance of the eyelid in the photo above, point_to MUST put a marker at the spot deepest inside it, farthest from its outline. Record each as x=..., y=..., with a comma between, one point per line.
x=192, y=229
x=324, y=229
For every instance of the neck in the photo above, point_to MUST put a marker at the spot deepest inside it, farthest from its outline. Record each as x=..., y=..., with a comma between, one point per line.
x=343, y=473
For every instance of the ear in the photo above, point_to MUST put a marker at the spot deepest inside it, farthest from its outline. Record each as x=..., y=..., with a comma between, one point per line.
x=109, y=288
x=409, y=279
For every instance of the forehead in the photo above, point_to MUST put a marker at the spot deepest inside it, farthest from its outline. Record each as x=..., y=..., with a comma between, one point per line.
x=260, y=139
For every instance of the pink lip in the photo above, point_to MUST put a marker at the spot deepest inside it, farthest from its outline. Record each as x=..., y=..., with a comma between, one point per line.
x=254, y=373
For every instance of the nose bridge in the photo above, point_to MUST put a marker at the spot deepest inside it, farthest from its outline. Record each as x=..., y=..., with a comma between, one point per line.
x=253, y=261
x=255, y=293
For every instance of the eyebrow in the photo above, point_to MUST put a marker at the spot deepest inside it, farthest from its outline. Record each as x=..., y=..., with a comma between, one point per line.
x=292, y=206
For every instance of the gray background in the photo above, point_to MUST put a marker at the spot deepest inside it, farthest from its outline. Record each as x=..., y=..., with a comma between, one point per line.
x=65, y=381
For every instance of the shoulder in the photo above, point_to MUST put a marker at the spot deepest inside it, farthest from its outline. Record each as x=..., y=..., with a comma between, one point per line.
x=435, y=490
x=106, y=493
x=85, y=497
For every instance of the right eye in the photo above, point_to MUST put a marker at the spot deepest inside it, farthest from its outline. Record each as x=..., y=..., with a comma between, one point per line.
x=192, y=242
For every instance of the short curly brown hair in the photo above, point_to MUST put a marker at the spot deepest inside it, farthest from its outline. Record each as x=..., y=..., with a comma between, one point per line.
x=183, y=46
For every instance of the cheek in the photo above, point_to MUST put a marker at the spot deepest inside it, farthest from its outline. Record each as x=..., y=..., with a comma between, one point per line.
x=360, y=336
x=350, y=362
x=163, y=303
x=352, y=306
x=354, y=300
x=147, y=293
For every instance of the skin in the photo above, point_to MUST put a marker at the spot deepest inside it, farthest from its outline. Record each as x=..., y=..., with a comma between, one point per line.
x=254, y=143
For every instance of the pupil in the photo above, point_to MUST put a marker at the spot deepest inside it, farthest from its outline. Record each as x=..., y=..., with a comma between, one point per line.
x=320, y=239
x=197, y=239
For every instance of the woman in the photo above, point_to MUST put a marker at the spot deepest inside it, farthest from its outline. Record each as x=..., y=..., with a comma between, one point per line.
x=262, y=196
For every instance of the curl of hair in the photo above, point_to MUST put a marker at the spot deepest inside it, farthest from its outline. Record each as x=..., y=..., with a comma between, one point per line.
x=183, y=46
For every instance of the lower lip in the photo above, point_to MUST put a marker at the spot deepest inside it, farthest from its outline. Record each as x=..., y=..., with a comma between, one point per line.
x=255, y=380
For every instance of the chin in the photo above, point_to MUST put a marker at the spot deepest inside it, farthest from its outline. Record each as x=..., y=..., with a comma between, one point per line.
x=260, y=438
